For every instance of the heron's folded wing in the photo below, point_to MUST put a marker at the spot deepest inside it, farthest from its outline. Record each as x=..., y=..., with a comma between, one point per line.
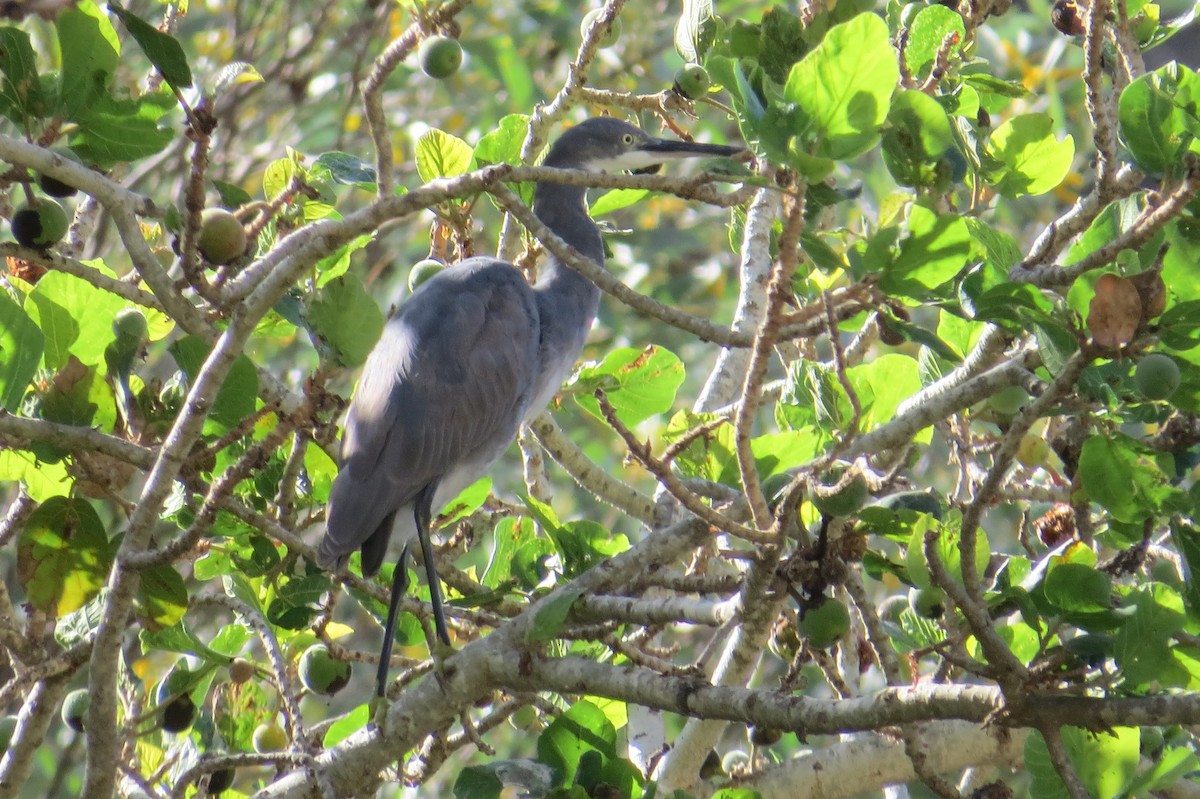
x=445, y=387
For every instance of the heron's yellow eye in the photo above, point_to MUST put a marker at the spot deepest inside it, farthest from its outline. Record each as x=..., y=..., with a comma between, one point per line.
x=627, y=138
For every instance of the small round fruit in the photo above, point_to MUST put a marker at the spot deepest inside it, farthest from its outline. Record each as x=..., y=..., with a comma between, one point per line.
x=1067, y=17
x=1008, y=401
x=609, y=38
x=8, y=725
x=53, y=187
x=928, y=603
x=692, y=81
x=440, y=56
x=75, y=707
x=269, y=737
x=129, y=324
x=1156, y=376
x=735, y=760
x=825, y=624
x=847, y=500
x=241, y=671
x=178, y=714
x=222, y=238
x=422, y=271
x=220, y=781
x=764, y=736
x=321, y=673
x=1151, y=741
x=40, y=224
x=524, y=717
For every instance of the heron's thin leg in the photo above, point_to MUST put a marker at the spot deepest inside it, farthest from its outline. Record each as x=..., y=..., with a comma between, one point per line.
x=423, y=513
x=399, y=586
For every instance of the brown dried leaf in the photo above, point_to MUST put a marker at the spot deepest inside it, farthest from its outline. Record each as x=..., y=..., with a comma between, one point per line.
x=1115, y=311
x=1153, y=293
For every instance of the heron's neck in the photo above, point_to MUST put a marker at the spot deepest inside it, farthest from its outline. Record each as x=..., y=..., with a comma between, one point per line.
x=561, y=208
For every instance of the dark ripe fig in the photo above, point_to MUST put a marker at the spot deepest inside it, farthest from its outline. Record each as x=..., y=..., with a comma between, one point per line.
x=220, y=781
x=53, y=187
x=321, y=673
x=178, y=714
x=1067, y=17
x=889, y=334
x=40, y=224
x=75, y=707
x=692, y=81
x=222, y=238
x=440, y=56
x=764, y=736
x=1156, y=376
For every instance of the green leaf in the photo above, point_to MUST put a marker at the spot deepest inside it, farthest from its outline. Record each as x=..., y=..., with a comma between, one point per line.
x=1187, y=542
x=503, y=145
x=1078, y=588
x=297, y=603
x=552, y=615
x=928, y=30
x=236, y=398
x=1143, y=645
x=162, y=597
x=278, y=175
x=842, y=90
x=181, y=639
x=90, y=51
x=936, y=249
x=1123, y=475
x=76, y=318
x=509, y=535
x=441, y=155
x=917, y=135
x=477, y=782
x=949, y=533
x=737, y=793
x=1166, y=770
x=617, y=199
x=162, y=49
x=21, y=346
x=1105, y=762
x=344, y=168
x=22, y=88
x=63, y=555
x=1159, y=115
x=1032, y=160
x=345, y=317
x=347, y=725
x=882, y=385
x=42, y=481
x=112, y=131
x=569, y=738
x=469, y=500
x=781, y=42
x=638, y=383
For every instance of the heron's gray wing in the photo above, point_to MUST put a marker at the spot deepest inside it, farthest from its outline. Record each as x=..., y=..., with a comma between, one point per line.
x=445, y=388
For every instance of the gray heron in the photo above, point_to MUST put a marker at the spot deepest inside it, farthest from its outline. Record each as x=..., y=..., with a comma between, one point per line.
x=472, y=354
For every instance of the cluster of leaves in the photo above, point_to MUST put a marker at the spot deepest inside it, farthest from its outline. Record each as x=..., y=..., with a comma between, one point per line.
x=816, y=96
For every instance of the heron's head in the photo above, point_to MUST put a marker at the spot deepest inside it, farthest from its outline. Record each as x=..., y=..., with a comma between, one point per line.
x=606, y=144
